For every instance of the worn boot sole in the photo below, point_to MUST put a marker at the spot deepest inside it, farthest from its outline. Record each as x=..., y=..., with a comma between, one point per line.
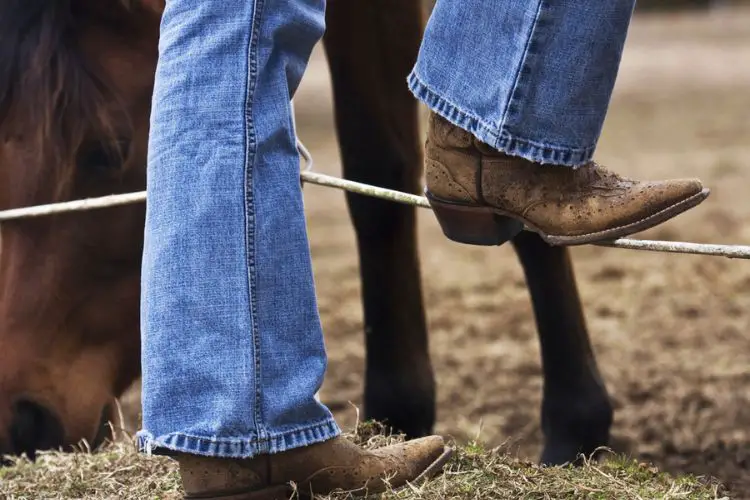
x=486, y=225
x=285, y=491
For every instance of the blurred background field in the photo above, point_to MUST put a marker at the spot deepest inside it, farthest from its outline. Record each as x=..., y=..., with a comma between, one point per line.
x=672, y=332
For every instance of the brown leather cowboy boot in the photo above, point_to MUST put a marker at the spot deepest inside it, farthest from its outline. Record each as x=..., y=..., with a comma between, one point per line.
x=318, y=469
x=482, y=196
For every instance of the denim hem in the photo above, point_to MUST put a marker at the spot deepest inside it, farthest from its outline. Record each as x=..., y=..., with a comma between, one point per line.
x=500, y=139
x=219, y=447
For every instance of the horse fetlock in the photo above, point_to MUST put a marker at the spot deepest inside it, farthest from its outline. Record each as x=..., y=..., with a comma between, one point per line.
x=403, y=402
x=575, y=427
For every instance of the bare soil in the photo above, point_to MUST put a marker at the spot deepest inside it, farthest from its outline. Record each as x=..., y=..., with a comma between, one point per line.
x=672, y=332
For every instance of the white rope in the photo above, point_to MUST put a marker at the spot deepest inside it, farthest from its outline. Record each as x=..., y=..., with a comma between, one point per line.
x=730, y=251
x=105, y=201
x=73, y=206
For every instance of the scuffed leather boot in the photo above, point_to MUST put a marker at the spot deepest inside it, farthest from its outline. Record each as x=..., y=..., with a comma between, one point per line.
x=318, y=469
x=482, y=196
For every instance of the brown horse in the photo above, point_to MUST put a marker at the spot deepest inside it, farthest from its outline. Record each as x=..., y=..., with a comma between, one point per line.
x=75, y=87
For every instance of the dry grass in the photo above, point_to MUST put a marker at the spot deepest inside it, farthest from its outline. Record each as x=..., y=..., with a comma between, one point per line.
x=474, y=473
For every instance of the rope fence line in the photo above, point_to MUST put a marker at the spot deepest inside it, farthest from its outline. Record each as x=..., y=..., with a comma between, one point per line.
x=729, y=251
x=73, y=206
x=307, y=176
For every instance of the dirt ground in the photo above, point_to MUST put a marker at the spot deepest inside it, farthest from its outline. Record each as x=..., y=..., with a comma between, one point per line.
x=672, y=332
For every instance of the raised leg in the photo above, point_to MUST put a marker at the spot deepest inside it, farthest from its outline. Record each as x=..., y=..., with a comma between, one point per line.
x=576, y=410
x=371, y=47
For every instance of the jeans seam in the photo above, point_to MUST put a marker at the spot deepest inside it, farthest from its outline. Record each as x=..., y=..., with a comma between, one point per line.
x=258, y=439
x=247, y=447
x=497, y=137
x=250, y=226
x=415, y=79
x=522, y=65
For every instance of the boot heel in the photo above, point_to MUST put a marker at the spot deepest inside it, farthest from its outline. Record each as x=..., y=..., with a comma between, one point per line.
x=474, y=225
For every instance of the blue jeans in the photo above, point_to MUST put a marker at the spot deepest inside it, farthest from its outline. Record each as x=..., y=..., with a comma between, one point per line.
x=232, y=347
x=530, y=77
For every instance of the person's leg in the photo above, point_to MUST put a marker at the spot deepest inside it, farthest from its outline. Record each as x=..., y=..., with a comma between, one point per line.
x=533, y=79
x=232, y=347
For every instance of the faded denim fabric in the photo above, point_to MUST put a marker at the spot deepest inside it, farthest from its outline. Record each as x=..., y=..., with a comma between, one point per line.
x=233, y=351
x=530, y=77
x=232, y=347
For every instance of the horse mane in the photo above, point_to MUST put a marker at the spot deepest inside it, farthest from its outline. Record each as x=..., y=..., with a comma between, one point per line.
x=51, y=97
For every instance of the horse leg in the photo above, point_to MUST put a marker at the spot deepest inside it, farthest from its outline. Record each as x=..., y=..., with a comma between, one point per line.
x=371, y=47
x=576, y=410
